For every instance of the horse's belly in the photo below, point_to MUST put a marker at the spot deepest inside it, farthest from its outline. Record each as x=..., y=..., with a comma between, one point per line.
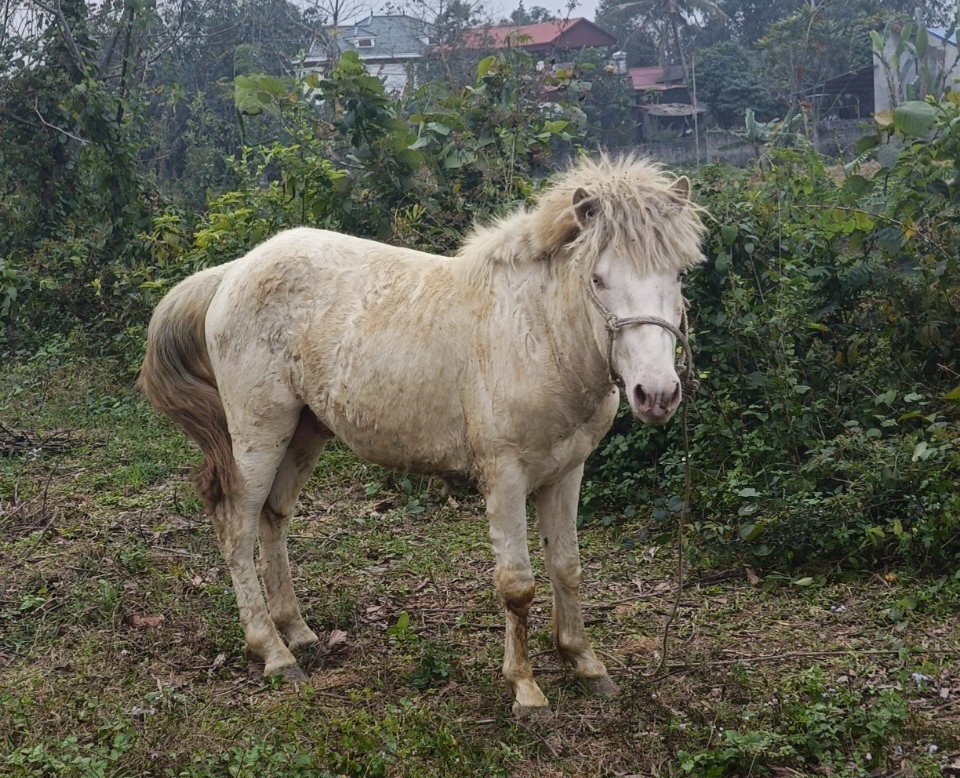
x=409, y=428
x=398, y=449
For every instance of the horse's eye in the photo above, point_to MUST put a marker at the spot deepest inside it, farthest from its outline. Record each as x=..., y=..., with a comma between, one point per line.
x=681, y=275
x=597, y=281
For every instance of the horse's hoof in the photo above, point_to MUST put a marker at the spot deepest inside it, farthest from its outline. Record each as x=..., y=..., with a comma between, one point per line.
x=537, y=712
x=600, y=685
x=289, y=673
x=304, y=643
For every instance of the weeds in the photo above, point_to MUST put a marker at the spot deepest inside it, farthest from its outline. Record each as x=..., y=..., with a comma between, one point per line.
x=121, y=651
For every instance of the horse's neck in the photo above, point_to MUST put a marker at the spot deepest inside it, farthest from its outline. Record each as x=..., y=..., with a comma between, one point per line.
x=554, y=305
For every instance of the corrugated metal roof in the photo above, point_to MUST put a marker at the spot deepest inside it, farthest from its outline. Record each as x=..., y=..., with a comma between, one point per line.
x=655, y=79
x=941, y=33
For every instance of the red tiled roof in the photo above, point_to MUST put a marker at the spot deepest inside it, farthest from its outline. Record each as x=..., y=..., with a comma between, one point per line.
x=532, y=35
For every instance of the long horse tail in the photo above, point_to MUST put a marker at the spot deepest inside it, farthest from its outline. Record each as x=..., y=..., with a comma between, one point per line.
x=177, y=378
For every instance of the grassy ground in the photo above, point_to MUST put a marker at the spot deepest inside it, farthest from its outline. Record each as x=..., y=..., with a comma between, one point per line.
x=121, y=653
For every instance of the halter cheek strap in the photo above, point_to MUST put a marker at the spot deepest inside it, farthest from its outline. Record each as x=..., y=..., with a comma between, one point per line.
x=614, y=324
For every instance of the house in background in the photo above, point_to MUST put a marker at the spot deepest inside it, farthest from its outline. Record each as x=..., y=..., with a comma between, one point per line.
x=386, y=44
x=662, y=102
x=890, y=87
x=845, y=97
x=549, y=38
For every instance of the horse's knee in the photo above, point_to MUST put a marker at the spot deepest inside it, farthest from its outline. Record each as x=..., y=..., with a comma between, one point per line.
x=567, y=575
x=517, y=589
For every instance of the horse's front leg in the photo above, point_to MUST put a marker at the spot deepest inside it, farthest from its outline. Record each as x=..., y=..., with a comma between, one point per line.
x=506, y=510
x=557, y=518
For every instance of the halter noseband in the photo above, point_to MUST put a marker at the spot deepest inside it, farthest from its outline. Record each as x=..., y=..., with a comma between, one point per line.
x=614, y=323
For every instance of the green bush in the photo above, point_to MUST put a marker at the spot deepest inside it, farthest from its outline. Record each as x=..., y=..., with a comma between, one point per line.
x=826, y=335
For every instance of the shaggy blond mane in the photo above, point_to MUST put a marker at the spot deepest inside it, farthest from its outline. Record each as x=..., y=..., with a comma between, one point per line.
x=631, y=204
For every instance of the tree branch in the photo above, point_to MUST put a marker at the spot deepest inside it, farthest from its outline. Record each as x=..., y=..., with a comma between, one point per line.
x=68, y=38
x=45, y=123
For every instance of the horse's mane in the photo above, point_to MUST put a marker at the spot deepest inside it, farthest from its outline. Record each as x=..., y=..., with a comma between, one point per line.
x=632, y=203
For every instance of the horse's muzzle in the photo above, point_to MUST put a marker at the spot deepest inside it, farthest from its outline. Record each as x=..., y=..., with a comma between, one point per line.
x=655, y=407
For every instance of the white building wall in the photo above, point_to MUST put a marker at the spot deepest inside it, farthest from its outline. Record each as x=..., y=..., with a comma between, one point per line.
x=392, y=74
x=940, y=54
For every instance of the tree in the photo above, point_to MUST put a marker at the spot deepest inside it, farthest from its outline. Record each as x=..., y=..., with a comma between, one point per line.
x=810, y=46
x=521, y=15
x=666, y=18
x=728, y=81
x=635, y=41
x=749, y=19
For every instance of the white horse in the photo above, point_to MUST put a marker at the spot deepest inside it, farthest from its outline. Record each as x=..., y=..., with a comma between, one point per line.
x=496, y=364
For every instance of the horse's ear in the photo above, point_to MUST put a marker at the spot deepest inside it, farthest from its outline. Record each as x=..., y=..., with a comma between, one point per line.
x=583, y=206
x=681, y=189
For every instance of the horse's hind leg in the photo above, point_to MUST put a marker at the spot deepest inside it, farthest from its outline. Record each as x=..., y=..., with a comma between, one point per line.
x=259, y=445
x=295, y=469
x=557, y=518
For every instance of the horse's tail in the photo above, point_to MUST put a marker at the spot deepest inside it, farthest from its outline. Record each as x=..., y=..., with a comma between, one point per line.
x=178, y=380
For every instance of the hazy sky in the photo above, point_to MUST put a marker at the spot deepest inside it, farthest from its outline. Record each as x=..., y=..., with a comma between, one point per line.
x=493, y=9
x=584, y=8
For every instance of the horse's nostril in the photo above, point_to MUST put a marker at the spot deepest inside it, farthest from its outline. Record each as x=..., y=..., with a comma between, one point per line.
x=675, y=397
x=640, y=394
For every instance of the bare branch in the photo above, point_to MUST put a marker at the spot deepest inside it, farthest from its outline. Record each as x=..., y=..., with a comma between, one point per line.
x=45, y=123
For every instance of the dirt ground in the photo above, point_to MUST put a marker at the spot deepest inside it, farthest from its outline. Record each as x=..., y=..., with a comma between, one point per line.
x=121, y=651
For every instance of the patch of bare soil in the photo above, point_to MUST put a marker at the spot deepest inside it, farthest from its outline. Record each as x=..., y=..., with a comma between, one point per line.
x=120, y=644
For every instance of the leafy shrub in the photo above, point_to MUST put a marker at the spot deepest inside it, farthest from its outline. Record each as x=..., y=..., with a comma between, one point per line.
x=826, y=336
x=816, y=724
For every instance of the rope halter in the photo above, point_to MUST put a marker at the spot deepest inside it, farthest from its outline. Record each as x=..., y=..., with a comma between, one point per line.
x=614, y=323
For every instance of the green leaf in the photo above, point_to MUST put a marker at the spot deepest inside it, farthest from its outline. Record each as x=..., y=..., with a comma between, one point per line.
x=914, y=118
x=749, y=492
x=253, y=94
x=555, y=127
x=483, y=66
x=953, y=394
x=857, y=184
x=750, y=532
x=803, y=581
x=439, y=128
x=729, y=232
x=722, y=263
x=888, y=154
x=922, y=42
x=866, y=143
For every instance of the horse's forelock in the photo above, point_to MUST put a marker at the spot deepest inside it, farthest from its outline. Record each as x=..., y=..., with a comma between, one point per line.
x=637, y=207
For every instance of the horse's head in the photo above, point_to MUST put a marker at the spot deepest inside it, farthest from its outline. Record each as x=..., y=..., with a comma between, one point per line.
x=635, y=283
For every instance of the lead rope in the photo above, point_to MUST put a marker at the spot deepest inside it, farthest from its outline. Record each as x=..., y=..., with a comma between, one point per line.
x=690, y=384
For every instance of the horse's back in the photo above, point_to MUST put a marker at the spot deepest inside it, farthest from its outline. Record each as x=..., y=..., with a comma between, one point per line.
x=371, y=337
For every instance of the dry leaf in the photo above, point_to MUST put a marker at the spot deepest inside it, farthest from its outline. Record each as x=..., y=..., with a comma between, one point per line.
x=137, y=621
x=752, y=578
x=337, y=638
